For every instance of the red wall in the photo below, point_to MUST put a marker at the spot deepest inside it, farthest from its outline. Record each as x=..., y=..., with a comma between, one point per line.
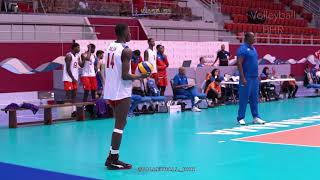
x=284, y=53
x=33, y=54
x=281, y=52
x=107, y=32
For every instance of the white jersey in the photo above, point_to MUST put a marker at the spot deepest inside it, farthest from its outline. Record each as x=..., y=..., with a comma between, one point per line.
x=74, y=67
x=115, y=87
x=88, y=69
x=153, y=59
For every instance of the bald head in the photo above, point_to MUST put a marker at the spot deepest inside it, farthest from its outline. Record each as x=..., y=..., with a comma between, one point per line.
x=223, y=47
x=249, y=38
x=182, y=70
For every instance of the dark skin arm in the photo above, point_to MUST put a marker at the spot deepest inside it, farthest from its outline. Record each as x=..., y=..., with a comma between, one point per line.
x=85, y=57
x=68, y=60
x=125, y=58
x=146, y=55
x=240, y=67
x=215, y=61
x=82, y=61
x=99, y=70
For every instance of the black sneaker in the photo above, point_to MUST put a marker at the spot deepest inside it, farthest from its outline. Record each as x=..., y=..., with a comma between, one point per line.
x=157, y=108
x=74, y=114
x=113, y=163
x=151, y=109
x=144, y=109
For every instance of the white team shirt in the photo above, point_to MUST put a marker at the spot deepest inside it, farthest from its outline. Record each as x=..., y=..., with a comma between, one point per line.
x=74, y=67
x=88, y=69
x=115, y=87
x=153, y=59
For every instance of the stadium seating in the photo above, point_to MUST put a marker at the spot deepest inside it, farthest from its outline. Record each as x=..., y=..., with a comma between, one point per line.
x=161, y=9
x=283, y=38
x=120, y=8
x=286, y=2
x=316, y=40
x=272, y=29
x=239, y=18
x=280, y=25
x=24, y=7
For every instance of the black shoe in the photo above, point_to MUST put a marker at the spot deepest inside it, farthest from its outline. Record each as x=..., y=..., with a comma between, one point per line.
x=113, y=163
x=144, y=109
x=74, y=114
x=183, y=105
x=151, y=109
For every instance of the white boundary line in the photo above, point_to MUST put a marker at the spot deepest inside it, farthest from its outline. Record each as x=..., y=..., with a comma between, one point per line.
x=276, y=143
x=277, y=132
x=284, y=123
x=241, y=139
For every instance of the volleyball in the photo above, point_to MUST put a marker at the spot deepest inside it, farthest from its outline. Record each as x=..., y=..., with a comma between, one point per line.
x=145, y=67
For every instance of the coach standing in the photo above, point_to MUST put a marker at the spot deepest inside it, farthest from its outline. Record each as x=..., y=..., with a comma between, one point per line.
x=247, y=59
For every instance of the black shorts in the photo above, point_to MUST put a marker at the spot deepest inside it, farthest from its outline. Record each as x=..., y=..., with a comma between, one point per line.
x=223, y=62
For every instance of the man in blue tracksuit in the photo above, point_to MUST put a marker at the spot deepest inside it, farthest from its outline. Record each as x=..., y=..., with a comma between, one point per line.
x=181, y=86
x=249, y=80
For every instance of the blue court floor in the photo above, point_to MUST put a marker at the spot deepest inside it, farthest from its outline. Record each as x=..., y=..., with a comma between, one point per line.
x=180, y=146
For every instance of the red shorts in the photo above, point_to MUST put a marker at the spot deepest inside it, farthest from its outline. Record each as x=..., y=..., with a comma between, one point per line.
x=162, y=81
x=89, y=83
x=69, y=86
x=155, y=77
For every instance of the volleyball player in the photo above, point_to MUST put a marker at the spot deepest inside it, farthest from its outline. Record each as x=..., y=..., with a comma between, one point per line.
x=88, y=77
x=71, y=72
x=118, y=90
x=150, y=54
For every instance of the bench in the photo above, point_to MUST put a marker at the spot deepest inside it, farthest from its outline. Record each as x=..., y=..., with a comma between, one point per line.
x=80, y=113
